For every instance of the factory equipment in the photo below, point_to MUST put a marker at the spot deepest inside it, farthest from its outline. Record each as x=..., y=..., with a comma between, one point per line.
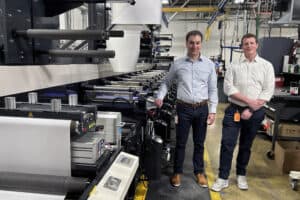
x=86, y=143
x=116, y=181
x=111, y=123
x=294, y=177
x=83, y=117
x=54, y=156
x=42, y=183
x=87, y=149
x=126, y=92
x=30, y=32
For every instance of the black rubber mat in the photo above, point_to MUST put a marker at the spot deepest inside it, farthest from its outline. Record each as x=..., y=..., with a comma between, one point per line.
x=189, y=189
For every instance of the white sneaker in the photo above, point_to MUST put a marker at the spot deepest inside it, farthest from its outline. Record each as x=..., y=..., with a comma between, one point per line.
x=220, y=184
x=242, y=182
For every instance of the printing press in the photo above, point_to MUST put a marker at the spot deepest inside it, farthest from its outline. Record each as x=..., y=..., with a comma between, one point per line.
x=89, y=156
x=124, y=92
x=88, y=139
x=133, y=95
x=53, y=150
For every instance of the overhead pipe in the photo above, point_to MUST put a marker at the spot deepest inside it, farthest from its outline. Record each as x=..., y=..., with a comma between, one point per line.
x=68, y=34
x=132, y=2
x=185, y=3
x=80, y=53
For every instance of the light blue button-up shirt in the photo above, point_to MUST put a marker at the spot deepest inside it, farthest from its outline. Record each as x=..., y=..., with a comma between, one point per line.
x=196, y=81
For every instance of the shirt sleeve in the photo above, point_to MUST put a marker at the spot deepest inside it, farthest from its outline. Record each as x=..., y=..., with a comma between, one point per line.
x=229, y=88
x=213, y=91
x=163, y=89
x=268, y=84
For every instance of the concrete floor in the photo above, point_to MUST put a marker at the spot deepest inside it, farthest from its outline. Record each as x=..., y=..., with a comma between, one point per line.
x=265, y=180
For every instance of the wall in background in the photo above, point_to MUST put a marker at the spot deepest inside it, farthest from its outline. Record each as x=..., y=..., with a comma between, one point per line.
x=212, y=46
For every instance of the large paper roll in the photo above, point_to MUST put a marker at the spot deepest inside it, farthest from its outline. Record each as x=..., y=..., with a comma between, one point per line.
x=12, y=195
x=35, y=146
x=126, y=49
x=143, y=12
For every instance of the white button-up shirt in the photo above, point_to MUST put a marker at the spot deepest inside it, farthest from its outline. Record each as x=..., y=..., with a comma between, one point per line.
x=255, y=79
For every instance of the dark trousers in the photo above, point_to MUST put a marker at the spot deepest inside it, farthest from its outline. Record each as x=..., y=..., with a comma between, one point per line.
x=230, y=134
x=187, y=117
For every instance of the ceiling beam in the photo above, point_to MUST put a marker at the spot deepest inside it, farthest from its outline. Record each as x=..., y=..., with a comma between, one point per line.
x=190, y=9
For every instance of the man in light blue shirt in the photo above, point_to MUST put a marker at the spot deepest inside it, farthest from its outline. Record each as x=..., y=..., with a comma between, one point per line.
x=196, y=106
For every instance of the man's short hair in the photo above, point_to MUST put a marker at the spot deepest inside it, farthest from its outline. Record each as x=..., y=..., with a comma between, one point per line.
x=193, y=33
x=249, y=35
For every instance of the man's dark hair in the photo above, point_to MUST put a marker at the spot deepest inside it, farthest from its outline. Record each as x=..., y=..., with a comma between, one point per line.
x=249, y=35
x=193, y=33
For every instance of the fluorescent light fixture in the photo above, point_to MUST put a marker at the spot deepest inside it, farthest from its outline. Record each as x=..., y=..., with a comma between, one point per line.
x=238, y=1
x=165, y=1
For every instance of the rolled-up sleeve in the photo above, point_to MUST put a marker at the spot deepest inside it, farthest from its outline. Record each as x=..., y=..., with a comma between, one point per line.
x=269, y=84
x=229, y=88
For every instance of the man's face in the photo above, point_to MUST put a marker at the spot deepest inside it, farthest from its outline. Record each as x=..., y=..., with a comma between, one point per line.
x=249, y=46
x=193, y=45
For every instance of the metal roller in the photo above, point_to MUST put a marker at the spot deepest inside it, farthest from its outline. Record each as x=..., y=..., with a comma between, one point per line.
x=98, y=1
x=10, y=103
x=42, y=183
x=83, y=53
x=118, y=88
x=145, y=52
x=68, y=34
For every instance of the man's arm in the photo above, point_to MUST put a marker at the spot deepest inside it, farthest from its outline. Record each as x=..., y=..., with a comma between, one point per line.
x=233, y=92
x=268, y=85
x=212, y=96
x=163, y=89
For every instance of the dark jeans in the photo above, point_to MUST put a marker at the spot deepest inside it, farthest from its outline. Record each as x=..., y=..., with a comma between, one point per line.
x=187, y=117
x=230, y=133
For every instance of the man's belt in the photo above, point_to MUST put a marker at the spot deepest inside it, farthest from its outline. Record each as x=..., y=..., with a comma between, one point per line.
x=240, y=108
x=193, y=105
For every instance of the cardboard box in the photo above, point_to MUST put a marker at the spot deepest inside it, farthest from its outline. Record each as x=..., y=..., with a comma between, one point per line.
x=287, y=155
x=289, y=130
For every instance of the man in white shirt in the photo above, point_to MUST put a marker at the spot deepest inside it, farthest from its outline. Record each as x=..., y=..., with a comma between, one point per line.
x=248, y=84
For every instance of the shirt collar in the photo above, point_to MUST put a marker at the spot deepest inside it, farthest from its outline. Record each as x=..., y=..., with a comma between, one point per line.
x=189, y=59
x=244, y=59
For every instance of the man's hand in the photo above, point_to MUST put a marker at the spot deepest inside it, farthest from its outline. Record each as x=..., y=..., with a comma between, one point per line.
x=211, y=118
x=246, y=114
x=158, y=102
x=256, y=104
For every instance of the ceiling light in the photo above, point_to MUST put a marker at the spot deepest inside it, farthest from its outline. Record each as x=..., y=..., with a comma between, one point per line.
x=238, y=1
x=165, y=1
